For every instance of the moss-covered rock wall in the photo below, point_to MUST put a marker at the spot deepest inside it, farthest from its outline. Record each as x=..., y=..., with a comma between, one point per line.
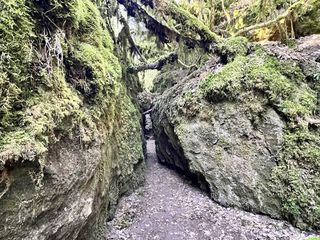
x=246, y=126
x=70, y=140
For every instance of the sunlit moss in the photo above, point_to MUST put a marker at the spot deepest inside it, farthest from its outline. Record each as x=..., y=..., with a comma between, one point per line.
x=192, y=22
x=264, y=74
x=312, y=238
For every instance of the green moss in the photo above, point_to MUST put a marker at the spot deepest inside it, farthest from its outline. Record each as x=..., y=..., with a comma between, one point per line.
x=93, y=49
x=85, y=15
x=43, y=113
x=192, y=23
x=128, y=131
x=89, y=25
x=234, y=46
x=296, y=179
x=303, y=102
x=16, y=32
x=280, y=82
x=226, y=84
x=309, y=22
x=45, y=99
x=101, y=63
x=300, y=201
x=281, y=85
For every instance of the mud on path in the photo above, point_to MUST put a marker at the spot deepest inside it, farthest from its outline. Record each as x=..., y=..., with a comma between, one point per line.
x=168, y=207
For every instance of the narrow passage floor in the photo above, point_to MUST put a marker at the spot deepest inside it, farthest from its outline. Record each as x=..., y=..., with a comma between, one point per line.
x=168, y=207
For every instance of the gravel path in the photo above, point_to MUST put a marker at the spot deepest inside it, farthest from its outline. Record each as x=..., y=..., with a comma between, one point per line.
x=168, y=207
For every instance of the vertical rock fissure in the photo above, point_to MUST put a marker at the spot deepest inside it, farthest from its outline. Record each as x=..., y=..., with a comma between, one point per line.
x=170, y=206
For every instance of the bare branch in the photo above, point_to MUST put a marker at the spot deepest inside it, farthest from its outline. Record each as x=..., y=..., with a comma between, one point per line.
x=148, y=111
x=225, y=12
x=171, y=58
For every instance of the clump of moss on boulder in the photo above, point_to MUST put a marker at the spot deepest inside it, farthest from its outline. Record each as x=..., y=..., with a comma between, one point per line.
x=233, y=46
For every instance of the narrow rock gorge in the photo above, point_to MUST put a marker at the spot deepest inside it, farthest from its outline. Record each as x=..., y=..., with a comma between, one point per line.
x=159, y=119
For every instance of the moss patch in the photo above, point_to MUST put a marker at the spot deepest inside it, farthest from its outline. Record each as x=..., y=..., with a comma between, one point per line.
x=16, y=32
x=281, y=84
x=233, y=46
x=192, y=23
x=312, y=238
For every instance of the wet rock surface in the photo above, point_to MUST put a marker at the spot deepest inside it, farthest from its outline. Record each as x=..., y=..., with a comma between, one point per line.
x=169, y=207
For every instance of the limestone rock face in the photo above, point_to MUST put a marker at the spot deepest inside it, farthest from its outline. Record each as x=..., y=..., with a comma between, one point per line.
x=168, y=79
x=70, y=133
x=231, y=145
x=80, y=186
x=234, y=158
x=231, y=158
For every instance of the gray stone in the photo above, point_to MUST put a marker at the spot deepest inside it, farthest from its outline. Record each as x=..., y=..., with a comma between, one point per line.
x=220, y=145
x=71, y=198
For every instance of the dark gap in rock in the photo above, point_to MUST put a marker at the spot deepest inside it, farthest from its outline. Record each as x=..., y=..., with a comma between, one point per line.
x=172, y=156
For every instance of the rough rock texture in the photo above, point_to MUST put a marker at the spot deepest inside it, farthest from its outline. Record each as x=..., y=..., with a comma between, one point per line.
x=225, y=149
x=72, y=199
x=70, y=141
x=168, y=79
x=230, y=137
x=145, y=100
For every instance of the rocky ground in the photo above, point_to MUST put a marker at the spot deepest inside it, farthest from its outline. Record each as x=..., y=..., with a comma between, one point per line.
x=175, y=210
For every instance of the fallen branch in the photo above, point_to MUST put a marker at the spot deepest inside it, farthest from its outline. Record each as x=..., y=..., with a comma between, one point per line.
x=134, y=9
x=313, y=121
x=273, y=21
x=225, y=12
x=186, y=18
x=185, y=65
x=171, y=58
x=166, y=33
